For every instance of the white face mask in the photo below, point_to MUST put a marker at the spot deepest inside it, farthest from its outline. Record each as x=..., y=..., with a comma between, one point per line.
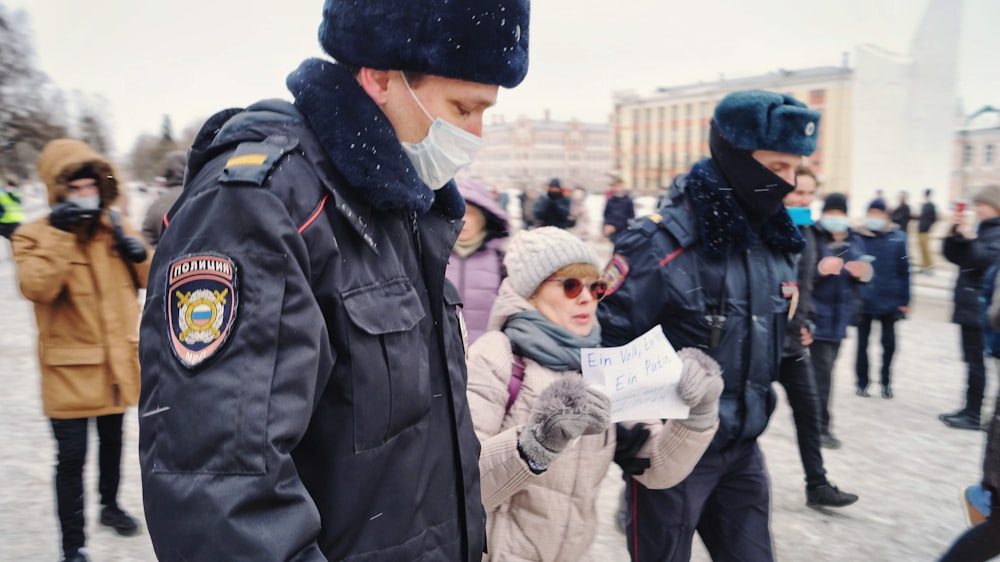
x=875, y=224
x=834, y=223
x=444, y=151
x=88, y=202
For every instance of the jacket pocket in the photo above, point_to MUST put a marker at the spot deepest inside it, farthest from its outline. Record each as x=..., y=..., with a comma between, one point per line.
x=389, y=362
x=760, y=402
x=61, y=356
x=74, y=378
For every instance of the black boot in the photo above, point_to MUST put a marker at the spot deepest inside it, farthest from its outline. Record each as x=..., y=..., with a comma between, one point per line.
x=829, y=495
x=116, y=518
x=962, y=419
x=77, y=556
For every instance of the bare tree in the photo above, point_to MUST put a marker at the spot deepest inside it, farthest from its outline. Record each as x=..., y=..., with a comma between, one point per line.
x=32, y=110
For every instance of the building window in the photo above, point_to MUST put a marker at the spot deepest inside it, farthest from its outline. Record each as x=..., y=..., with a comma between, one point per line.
x=817, y=97
x=687, y=110
x=673, y=113
x=988, y=154
x=966, y=154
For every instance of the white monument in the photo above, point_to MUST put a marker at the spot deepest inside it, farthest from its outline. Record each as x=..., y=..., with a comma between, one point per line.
x=902, y=114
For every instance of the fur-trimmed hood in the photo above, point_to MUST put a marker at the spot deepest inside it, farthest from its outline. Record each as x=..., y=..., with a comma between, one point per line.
x=361, y=142
x=476, y=193
x=721, y=224
x=61, y=158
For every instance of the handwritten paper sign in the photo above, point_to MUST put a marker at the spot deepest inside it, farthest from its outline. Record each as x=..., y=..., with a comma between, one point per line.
x=640, y=377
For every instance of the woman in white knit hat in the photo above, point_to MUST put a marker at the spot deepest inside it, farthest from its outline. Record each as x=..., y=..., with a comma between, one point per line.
x=546, y=436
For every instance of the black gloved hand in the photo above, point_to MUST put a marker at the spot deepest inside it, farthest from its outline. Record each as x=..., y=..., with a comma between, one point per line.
x=66, y=215
x=129, y=247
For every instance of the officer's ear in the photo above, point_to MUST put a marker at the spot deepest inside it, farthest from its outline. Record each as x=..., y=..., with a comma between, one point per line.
x=375, y=83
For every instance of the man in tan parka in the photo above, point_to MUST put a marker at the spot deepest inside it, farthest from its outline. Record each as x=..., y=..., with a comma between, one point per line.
x=82, y=268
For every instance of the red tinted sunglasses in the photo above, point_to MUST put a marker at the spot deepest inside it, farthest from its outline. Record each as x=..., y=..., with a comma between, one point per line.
x=573, y=287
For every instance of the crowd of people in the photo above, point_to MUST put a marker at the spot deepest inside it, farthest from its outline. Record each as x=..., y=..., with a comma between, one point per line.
x=346, y=355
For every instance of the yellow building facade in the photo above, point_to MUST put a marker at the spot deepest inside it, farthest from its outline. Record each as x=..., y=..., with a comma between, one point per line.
x=657, y=136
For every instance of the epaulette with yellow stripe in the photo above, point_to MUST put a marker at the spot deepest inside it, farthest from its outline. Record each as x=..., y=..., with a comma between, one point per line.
x=252, y=161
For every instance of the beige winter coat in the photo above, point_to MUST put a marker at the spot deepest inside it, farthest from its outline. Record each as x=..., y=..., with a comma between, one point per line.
x=551, y=516
x=85, y=299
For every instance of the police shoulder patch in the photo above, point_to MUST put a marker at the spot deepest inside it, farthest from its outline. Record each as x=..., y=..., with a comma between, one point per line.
x=201, y=302
x=615, y=273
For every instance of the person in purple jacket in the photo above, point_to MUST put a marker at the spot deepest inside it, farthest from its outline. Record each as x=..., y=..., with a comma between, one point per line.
x=476, y=263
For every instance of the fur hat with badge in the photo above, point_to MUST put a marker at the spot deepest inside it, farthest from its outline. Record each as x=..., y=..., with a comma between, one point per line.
x=483, y=41
x=534, y=255
x=761, y=120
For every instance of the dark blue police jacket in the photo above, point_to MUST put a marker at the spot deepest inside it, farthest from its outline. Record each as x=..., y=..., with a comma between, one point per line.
x=302, y=366
x=695, y=268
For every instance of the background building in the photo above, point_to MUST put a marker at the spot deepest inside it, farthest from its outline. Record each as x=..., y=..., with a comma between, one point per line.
x=529, y=152
x=887, y=121
x=661, y=135
x=975, y=160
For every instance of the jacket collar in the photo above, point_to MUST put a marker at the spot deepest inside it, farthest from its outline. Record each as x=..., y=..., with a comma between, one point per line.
x=361, y=142
x=869, y=233
x=721, y=223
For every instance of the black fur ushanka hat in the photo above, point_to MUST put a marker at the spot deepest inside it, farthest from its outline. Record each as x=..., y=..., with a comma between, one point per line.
x=483, y=41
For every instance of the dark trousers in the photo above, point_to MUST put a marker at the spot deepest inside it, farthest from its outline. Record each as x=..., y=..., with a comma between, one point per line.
x=979, y=543
x=71, y=437
x=726, y=498
x=888, y=348
x=824, y=354
x=972, y=354
x=795, y=374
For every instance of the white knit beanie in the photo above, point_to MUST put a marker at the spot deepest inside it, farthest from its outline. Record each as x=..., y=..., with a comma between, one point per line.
x=534, y=255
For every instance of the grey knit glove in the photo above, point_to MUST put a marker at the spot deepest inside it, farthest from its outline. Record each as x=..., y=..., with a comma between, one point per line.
x=567, y=409
x=700, y=387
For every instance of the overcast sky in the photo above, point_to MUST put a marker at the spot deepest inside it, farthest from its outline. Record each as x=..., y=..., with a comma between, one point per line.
x=190, y=58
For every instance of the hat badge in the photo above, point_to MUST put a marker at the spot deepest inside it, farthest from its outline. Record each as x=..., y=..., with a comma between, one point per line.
x=810, y=128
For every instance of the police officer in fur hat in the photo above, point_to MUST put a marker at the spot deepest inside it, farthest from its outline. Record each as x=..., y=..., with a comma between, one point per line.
x=715, y=268
x=304, y=373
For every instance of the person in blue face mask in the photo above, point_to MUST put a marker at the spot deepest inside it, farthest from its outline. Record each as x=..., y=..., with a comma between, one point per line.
x=841, y=267
x=887, y=297
x=304, y=375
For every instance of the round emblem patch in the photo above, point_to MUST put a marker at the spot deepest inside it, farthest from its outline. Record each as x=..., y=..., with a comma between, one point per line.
x=201, y=304
x=810, y=128
x=615, y=273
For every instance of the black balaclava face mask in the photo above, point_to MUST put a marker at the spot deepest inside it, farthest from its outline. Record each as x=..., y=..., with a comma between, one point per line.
x=759, y=191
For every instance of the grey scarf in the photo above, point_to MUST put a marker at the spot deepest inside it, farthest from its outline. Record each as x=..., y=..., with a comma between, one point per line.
x=533, y=336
